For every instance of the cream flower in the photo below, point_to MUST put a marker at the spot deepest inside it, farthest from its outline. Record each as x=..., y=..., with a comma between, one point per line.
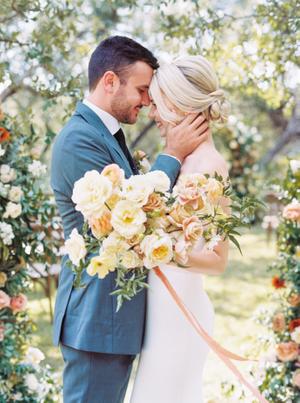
x=37, y=169
x=34, y=356
x=181, y=251
x=128, y=218
x=31, y=382
x=296, y=335
x=75, y=247
x=15, y=194
x=145, y=165
x=114, y=173
x=137, y=189
x=159, y=180
x=7, y=174
x=13, y=210
x=131, y=260
x=90, y=194
x=102, y=265
x=114, y=244
x=157, y=248
x=295, y=166
x=214, y=189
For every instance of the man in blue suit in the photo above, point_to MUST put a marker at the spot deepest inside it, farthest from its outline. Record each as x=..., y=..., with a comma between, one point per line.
x=99, y=344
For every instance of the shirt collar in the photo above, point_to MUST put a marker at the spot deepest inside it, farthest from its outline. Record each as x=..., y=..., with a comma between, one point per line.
x=110, y=122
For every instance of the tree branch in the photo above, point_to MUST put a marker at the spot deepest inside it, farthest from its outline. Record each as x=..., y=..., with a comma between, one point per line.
x=142, y=134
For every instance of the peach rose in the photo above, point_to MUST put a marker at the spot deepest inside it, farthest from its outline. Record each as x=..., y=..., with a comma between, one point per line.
x=292, y=211
x=2, y=331
x=296, y=378
x=101, y=226
x=154, y=202
x=114, y=173
x=294, y=299
x=190, y=191
x=18, y=303
x=192, y=228
x=287, y=351
x=178, y=214
x=4, y=300
x=278, y=322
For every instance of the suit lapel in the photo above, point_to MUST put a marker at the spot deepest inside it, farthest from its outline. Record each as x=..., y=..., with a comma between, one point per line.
x=93, y=119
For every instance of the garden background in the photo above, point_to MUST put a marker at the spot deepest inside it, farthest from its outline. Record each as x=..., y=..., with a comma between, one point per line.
x=44, y=51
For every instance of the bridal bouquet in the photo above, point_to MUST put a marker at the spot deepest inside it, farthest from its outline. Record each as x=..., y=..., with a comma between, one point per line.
x=133, y=225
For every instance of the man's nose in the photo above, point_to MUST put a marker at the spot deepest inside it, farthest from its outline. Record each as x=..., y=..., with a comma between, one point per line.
x=146, y=99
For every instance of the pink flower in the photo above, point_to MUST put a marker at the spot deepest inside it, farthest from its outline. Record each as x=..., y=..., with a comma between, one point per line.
x=292, y=211
x=296, y=378
x=287, y=351
x=18, y=303
x=4, y=300
x=2, y=330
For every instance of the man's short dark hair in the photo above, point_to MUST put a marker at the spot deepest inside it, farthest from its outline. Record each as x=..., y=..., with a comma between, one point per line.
x=117, y=53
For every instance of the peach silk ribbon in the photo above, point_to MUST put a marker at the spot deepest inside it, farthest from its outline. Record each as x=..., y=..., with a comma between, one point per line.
x=221, y=352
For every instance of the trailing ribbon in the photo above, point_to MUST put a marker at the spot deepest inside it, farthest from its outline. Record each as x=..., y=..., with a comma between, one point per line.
x=221, y=352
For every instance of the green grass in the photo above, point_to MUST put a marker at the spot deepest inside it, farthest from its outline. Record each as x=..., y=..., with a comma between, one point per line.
x=235, y=295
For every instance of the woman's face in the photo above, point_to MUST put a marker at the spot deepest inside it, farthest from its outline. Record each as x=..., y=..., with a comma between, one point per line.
x=160, y=123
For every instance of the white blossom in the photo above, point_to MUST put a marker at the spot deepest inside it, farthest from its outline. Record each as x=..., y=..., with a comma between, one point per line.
x=6, y=233
x=36, y=168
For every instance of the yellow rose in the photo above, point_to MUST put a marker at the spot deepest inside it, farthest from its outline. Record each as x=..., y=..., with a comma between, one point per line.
x=90, y=194
x=102, y=265
x=114, y=173
x=128, y=219
x=3, y=279
x=157, y=248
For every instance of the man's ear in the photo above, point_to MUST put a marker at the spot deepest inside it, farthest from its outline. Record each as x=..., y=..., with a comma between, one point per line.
x=111, y=82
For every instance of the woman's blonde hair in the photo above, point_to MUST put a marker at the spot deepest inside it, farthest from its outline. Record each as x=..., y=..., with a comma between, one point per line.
x=190, y=83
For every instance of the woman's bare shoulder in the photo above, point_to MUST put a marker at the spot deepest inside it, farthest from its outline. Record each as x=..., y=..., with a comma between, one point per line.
x=209, y=163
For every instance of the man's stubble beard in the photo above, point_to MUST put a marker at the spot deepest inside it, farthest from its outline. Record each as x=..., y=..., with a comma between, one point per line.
x=120, y=107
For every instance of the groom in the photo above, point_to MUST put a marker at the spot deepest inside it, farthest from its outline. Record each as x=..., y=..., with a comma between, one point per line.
x=98, y=344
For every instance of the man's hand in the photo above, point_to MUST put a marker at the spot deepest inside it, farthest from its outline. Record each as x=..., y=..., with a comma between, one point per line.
x=183, y=139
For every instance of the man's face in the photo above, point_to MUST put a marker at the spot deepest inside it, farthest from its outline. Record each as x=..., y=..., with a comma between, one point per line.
x=132, y=95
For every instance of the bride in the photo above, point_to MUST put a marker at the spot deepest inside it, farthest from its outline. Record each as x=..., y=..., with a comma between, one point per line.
x=173, y=356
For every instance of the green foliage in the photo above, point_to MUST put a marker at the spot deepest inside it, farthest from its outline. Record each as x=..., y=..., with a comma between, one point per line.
x=27, y=236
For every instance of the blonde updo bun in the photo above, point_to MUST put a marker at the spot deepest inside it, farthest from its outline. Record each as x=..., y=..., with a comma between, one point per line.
x=191, y=85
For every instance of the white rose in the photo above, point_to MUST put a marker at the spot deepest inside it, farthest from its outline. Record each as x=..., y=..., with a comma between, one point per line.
x=7, y=174
x=36, y=168
x=13, y=210
x=34, y=356
x=145, y=165
x=296, y=335
x=15, y=194
x=159, y=180
x=31, y=382
x=157, y=248
x=90, y=194
x=295, y=166
x=130, y=260
x=137, y=189
x=2, y=151
x=6, y=233
x=128, y=219
x=75, y=247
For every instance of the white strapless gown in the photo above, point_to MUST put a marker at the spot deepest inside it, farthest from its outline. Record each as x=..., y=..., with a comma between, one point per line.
x=172, y=360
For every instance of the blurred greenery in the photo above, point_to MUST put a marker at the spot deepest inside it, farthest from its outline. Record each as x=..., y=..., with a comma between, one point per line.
x=235, y=295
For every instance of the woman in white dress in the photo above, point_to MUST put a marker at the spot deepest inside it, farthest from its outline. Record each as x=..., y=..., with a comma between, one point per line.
x=172, y=360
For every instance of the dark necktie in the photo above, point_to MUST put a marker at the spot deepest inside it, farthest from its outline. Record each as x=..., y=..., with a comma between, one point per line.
x=119, y=136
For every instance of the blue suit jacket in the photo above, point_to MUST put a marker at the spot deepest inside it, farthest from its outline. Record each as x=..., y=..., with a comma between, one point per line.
x=86, y=319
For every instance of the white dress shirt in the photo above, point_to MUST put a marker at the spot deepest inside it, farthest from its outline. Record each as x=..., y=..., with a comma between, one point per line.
x=110, y=121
